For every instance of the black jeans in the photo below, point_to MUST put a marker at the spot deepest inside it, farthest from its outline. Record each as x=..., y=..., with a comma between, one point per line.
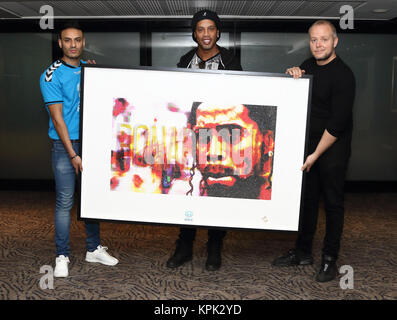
x=189, y=234
x=327, y=178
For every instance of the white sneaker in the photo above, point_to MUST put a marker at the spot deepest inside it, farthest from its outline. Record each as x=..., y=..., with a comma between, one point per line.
x=61, y=267
x=100, y=255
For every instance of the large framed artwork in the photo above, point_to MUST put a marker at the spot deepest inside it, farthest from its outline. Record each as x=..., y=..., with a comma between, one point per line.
x=193, y=148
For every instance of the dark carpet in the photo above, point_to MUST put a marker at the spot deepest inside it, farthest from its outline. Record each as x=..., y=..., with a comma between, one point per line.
x=369, y=246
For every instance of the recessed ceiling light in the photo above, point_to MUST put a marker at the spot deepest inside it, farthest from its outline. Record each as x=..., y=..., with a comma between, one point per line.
x=380, y=10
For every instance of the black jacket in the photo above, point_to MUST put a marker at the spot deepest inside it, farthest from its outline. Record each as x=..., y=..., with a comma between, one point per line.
x=229, y=60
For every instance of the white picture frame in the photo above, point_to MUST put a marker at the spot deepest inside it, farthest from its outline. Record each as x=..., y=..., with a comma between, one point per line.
x=165, y=97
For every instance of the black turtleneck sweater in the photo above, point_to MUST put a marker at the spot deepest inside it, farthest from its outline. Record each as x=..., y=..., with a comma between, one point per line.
x=332, y=98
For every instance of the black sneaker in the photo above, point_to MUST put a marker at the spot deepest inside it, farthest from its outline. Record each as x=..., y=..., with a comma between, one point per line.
x=183, y=253
x=293, y=258
x=328, y=270
x=214, y=259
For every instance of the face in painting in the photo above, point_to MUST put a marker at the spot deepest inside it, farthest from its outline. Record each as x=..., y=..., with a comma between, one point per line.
x=229, y=145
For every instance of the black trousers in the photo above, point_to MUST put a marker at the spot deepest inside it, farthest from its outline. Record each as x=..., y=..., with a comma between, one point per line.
x=327, y=178
x=189, y=234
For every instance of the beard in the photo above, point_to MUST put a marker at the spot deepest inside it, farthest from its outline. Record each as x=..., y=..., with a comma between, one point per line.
x=248, y=188
x=207, y=47
x=74, y=57
x=325, y=57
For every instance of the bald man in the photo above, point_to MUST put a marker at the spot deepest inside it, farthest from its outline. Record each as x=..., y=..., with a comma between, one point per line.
x=331, y=125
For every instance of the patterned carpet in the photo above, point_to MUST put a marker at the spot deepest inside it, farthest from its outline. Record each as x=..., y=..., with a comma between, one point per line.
x=26, y=244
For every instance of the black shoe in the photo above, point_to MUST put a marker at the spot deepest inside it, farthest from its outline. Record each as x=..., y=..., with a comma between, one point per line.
x=183, y=253
x=328, y=270
x=214, y=259
x=294, y=257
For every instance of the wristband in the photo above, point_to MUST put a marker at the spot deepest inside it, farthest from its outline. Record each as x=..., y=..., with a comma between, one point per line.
x=71, y=158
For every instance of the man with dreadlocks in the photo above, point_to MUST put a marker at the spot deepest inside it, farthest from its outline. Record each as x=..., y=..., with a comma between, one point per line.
x=208, y=55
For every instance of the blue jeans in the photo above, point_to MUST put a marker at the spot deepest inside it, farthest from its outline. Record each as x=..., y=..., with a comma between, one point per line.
x=65, y=177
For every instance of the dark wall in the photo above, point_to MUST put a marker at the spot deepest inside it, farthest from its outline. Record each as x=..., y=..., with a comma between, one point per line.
x=268, y=46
